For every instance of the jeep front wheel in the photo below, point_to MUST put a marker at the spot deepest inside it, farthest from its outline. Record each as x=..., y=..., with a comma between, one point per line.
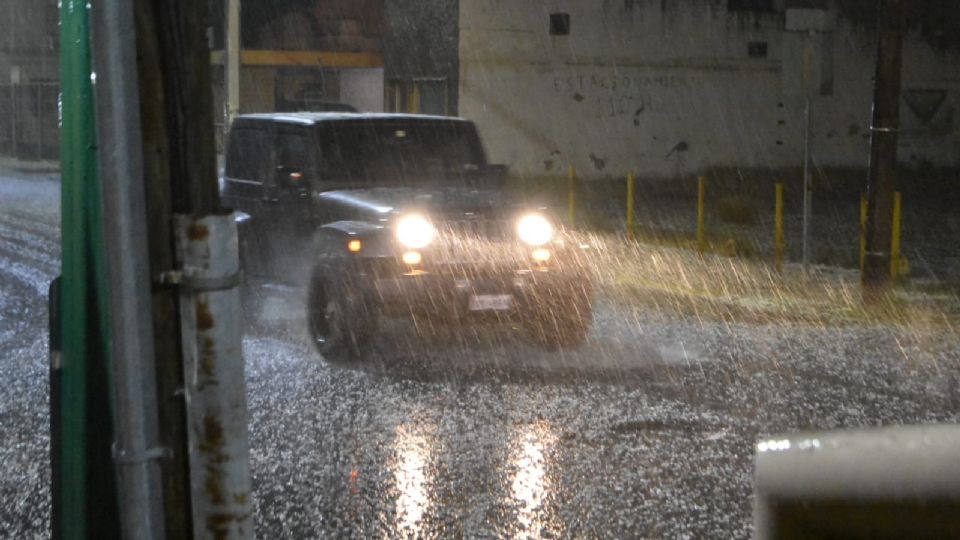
x=338, y=328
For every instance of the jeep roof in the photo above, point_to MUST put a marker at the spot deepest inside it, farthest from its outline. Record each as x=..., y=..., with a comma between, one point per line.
x=313, y=118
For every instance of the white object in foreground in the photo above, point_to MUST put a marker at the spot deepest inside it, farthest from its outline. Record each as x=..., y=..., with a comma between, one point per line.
x=897, y=482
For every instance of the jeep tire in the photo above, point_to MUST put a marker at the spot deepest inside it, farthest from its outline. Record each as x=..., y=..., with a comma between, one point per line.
x=339, y=321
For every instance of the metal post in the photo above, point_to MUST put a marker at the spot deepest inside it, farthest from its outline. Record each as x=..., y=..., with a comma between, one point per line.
x=875, y=277
x=232, y=67
x=77, y=171
x=631, y=185
x=214, y=376
x=88, y=497
x=136, y=449
x=572, y=195
x=701, y=213
x=778, y=244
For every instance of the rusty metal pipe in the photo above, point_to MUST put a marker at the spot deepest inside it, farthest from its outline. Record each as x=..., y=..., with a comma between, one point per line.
x=214, y=376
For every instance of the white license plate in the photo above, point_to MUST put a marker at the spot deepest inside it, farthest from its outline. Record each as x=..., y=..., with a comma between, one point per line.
x=491, y=302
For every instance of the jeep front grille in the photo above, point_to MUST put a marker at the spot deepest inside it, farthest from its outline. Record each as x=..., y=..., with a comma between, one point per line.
x=476, y=229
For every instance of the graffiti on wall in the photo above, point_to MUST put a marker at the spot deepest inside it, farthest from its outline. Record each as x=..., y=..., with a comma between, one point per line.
x=619, y=95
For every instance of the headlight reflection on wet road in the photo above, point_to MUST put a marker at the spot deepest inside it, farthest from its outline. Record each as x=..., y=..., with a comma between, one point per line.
x=409, y=472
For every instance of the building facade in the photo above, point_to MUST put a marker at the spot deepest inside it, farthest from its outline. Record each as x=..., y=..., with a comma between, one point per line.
x=670, y=89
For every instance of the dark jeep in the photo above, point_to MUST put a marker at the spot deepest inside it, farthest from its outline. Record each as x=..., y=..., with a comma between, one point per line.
x=398, y=215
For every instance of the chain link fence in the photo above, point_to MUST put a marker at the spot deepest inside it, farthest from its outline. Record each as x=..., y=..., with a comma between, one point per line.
x=29, y=127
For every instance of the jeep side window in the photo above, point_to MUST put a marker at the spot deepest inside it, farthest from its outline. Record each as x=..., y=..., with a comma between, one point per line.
x=294, y=153
x=248, y=155
x=399, y=153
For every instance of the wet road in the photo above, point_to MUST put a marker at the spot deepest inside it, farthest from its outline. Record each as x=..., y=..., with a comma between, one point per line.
x=646, y=432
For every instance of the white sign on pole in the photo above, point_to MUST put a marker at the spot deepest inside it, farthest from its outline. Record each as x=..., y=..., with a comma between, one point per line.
x=808, y=72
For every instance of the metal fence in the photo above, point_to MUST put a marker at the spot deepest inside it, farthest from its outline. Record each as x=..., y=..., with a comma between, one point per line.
x=29, y=126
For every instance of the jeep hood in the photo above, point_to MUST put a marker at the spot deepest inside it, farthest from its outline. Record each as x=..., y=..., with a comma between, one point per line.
x=448, y=202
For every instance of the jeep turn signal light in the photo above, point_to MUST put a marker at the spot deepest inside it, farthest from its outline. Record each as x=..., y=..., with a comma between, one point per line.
x=541, y=255
x=354, y=246
x=412, y=258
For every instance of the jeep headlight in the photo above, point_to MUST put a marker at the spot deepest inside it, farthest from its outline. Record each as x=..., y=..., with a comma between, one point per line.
x=415, y=231
x=534, y=229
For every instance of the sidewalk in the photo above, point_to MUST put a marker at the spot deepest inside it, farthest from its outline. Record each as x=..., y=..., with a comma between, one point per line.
x=47, y=167
x=739, y=290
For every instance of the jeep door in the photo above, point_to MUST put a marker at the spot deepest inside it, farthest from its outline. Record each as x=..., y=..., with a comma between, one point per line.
x=288, y=204
x=247, y=165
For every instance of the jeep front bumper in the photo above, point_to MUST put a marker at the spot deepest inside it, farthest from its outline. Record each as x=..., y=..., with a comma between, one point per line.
x=459, y=292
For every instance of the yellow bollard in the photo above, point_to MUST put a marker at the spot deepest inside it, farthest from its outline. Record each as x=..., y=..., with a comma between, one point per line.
x=863, y=230
x=701, y=212
x=778, y=244
x=895, y=240
x=572, y=195
x=631, y=181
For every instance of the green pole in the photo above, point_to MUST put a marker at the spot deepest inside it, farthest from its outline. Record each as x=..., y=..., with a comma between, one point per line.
x=86, y=469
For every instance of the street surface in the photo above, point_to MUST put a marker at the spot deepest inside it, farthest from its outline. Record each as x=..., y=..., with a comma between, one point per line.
x=646, y=432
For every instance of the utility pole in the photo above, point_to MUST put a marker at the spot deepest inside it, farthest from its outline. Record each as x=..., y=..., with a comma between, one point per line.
x=881, y=183
x=158, y=162
x=180, y=177
x=195, y=272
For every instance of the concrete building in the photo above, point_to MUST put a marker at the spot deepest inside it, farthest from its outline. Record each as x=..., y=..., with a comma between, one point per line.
x=670, y=89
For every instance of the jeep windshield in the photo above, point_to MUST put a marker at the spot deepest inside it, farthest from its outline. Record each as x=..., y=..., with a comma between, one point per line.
x=428, y=153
